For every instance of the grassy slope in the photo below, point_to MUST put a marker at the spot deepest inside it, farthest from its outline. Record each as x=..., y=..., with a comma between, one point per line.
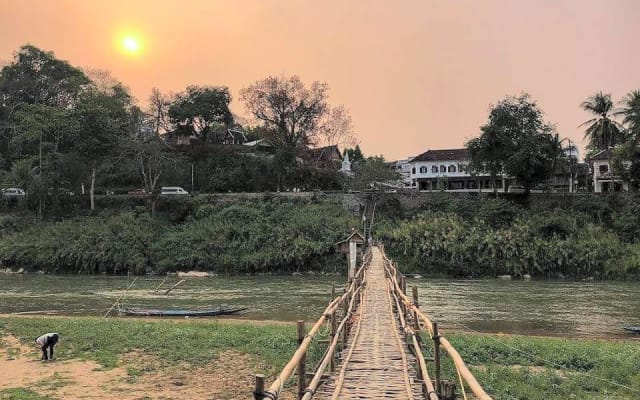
x=553, y=369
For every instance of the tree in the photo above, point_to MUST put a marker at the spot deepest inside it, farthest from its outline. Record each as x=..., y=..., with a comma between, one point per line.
x=533, y=159
x=34, y=77
x=101, y=119
x=150, y=158
x=515, y=140
x=159, y=111
x=355, y=154
x=371, y=170
x=602, y=131
x=336, y=129
x=626, y=162
x=293, y=111
x=630, y=113
x=198, y=110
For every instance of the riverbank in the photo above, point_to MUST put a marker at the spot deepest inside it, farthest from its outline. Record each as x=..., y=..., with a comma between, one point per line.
x=128, y=358
x=246, y=236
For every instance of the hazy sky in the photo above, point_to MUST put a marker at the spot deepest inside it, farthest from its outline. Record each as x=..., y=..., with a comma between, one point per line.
x=415, y=75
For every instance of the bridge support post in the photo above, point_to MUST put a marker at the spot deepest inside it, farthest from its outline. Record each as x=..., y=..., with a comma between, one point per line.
x=302, y=380
x=258, y=391
x=332, y=335
x=436, y=356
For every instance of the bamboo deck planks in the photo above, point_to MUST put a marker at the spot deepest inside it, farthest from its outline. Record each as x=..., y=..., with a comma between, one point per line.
x=376, y=363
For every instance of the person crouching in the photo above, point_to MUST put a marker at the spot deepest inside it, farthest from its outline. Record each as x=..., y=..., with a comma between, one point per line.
x=47, y=340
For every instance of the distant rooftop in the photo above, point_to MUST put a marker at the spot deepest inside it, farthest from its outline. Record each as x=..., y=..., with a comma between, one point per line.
x=442, y=155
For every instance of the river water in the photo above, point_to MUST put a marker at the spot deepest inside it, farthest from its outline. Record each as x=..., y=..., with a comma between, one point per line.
x=558, y=308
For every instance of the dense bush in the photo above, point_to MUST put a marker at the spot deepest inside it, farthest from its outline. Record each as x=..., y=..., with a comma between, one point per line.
x=241, y=236
x=109, y=243
x=547, y=244
x=268, y=235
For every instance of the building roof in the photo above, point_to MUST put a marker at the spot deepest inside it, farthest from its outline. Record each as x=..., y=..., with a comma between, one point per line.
x=442, y=155
x=355, y=236
x=258, y=143
x=325, y=154
x=601, y=155
x=236, y=135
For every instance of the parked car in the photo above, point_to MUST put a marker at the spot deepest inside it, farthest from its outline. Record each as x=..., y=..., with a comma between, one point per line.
x=173, y=191
x=60, y=192
x=139, y=192
x=13, y=192
x=515, y=189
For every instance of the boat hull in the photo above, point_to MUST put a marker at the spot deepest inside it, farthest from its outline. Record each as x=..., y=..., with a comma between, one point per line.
x=180, y=313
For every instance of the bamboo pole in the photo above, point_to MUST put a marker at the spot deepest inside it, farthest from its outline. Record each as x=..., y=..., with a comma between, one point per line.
x=121, y=296
x=300, y=370
x=467, y=376
x=315, y=381
x=436, y=355
x=160, y=285
x=276, y=387
x=258, y=391
x=332, y=334
x=180, y=282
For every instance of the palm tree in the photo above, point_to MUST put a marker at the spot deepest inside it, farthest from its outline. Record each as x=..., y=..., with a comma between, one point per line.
x=602, y=131
x=630, y=113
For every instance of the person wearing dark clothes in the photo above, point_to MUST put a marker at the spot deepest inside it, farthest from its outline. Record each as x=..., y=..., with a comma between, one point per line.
x=47, y=340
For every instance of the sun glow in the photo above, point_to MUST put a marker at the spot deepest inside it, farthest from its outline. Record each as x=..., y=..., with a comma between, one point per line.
x=131, y=44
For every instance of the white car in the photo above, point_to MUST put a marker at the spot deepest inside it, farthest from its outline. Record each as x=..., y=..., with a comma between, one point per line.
x=173, y=191
x=516, y=189
x=13, y=192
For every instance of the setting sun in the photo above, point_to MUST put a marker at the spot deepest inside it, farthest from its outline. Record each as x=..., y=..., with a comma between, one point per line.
x=131, y=44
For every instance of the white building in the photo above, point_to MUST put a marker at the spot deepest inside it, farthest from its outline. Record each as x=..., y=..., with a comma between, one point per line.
x=447, y=170
x=346, y=165
x=603, y=179
x=403, y=167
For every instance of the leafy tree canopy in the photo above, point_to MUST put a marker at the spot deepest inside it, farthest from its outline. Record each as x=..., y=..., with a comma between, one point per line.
x=199, y=109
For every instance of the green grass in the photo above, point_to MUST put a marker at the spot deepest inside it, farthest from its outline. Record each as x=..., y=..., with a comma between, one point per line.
x=531, y=368
x=197, y=343
x=56, y=382
x=508, y=367
x=21, y=394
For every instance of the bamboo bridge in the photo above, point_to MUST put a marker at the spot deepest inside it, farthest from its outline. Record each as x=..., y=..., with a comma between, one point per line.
x=380, y=345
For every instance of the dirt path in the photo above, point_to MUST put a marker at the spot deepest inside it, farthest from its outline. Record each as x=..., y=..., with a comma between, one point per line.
x=139, y=376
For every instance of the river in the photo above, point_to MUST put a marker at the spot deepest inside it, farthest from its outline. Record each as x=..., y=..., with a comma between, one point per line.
x=557, y=308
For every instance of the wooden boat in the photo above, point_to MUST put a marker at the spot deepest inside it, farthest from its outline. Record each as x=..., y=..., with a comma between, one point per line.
x=144, y=312
x=632, y=329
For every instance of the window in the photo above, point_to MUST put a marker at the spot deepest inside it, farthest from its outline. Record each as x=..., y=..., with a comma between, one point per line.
x=434, y=169
x=443, y=168
x=452, y=168
x=604, y=169
x=413, y=170
x=461, y=168
x=423, y=170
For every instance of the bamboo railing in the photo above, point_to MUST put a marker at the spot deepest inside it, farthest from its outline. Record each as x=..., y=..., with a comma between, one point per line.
x=410, y=307
x=297, y=363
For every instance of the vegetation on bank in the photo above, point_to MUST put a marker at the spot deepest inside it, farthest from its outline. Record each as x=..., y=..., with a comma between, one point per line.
x=593, y=237
x=508, y=367
x=270, y=235
x=532, y=368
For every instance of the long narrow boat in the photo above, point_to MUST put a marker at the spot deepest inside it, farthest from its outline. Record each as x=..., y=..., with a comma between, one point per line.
x=632, y=329
x=144, y=312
